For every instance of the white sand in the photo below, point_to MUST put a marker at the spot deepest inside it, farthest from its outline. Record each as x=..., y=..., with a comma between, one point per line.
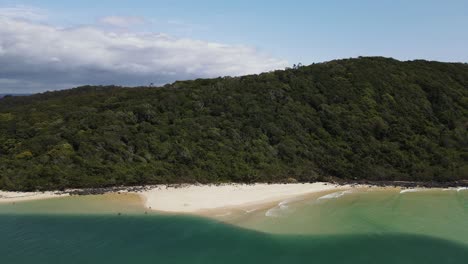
x=197, y=198
x=202, y=198
x=10, y=197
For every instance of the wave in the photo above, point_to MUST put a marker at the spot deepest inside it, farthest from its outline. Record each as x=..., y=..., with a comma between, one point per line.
x=411, y=190
x=331, y=196
x=449, y=189
x=250, y=210
x=285, y=204
x=224, y=215
x=457, y=189
x=282, y=208
x=334, y=195
x=273, y=212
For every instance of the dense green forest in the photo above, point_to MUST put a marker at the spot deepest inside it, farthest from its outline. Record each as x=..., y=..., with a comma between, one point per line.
x=366, y=118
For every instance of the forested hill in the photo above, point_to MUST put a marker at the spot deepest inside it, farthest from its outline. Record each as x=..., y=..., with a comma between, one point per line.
x=365, y=118
x=6, y=95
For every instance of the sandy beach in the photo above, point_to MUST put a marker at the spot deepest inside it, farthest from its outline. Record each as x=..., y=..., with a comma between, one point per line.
x=12, y=197
x=204, y=199
x=207, y=199
x=200, y=198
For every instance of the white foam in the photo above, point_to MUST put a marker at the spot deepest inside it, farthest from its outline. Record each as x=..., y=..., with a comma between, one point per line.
x=277, y=211
x=332, y=195
x=273, y=212
x=283, y=205
x=223, y=215
x=250, y=211
x=281, y=208
x=410, y=190
x=459, y=189
x=449, y=189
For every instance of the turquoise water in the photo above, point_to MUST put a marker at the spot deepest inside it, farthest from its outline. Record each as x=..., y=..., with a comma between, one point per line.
x=135, y=237
x=111, y=239
x=435, y=213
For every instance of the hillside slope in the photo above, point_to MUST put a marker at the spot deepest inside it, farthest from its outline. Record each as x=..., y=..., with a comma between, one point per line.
x=366, y=118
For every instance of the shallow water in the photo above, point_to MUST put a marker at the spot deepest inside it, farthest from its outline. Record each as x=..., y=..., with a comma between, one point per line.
x=437, y=213
x=363, y=227
x=78, y=205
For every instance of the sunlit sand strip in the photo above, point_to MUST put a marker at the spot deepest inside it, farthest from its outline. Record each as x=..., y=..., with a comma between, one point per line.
x=12, y=197
x=199, y=198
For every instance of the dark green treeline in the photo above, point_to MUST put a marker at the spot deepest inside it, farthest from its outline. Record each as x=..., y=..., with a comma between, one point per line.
x=366, y=118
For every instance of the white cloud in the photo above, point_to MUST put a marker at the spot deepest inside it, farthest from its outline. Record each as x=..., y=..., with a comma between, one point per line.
x=122, y=21
x=24, y=13
x=48, y=57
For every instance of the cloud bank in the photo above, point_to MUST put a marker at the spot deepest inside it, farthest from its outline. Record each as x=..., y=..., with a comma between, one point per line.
x=120, y=21
x=35, y=56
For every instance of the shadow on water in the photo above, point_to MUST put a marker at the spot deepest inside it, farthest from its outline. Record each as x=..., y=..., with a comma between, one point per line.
x=169, y=239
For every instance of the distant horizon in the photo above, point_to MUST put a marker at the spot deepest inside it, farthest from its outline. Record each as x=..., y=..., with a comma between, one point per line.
x=55, y=45
x=3, y=94
x=15, y=94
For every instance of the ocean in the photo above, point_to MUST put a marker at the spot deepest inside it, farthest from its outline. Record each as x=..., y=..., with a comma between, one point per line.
x=335, y=227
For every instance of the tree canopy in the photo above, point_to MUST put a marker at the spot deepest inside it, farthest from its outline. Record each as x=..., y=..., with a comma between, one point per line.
x=366, y=118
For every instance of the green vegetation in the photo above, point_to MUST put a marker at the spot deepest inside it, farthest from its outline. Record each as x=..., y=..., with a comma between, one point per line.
x=366, y=118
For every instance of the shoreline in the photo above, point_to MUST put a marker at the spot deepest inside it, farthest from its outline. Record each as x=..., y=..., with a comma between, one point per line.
x=201, y=199
x=205, y=200
x=13, y=197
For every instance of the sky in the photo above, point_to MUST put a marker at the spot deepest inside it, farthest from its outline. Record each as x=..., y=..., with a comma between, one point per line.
x=51, y=45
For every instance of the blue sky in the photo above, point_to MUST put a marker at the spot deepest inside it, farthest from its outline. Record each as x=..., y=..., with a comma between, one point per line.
x=282, y=32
